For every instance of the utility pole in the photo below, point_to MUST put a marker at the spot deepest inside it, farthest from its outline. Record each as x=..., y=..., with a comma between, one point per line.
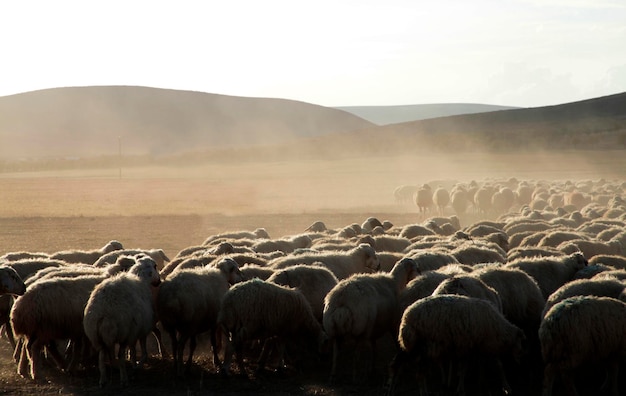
x=119, y=159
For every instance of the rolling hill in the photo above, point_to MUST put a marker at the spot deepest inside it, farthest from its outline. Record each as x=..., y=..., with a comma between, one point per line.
x=183, y=126
x=93, y=121
x=384, y=115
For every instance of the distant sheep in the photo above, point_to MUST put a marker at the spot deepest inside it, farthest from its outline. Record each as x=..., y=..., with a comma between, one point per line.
x=15, y=256
x=404, y=194
x=259, y=233
x=359, y=259
x=251, y=271
x=365, y=307
x=471, y=254
x=441, y=199
x=424, y=199
x=550, y=273
x=86, y=256
x=459, y=201
x=430, y=260
x=313, y=282
x=600, y=322
x=443, y=328
x=286, y=245
x=158, y=255
x=120, y=311
x=261, y=310
x=188, y=304
x=592, y=248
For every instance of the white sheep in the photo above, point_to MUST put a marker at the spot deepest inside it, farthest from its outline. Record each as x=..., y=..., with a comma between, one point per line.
x=86, y=256
x=15, y=256
x=441, y=199
x=582, y=330
x=613, y=260
x=261, y=310
x=431, y=260
x=188, y=303
x=424, y=199
x=314, y=283
x=363, y=308
x=443, y=328
x=359, y=259
x=50, y=310
x=120, y=311
x=251, y=271
x=590, y=248
x=550, y=273
x=421, y=286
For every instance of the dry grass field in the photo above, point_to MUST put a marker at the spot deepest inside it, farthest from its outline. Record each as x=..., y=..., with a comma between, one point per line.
x=172, y=208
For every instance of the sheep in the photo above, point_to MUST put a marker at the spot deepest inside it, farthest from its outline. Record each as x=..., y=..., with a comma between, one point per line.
x=317, y=226
x=482, y=199
x=158, y=255
x=10, y=282
x=421, y=286
x=451, y=327
x=259, y=233
x=616, y=261
x=369, y=224
x=359, y=259
x=86, y=256
x=470, y=254
x=365, y=307
x=592, y=248
x=550, y=272
x=555, y=238
x=424, y=199
x=120, y=311
x=459, y=201
x=404, y=193
x=412, y=231
x=441, y=199
x=257, y=309
x=467, y=285
x=527, y=252
x=579, y=331
x=286, y=245
x=250, y=271
x=430, y=260
x=313, y=282
x=15, y=256
x=585, y=287
x=520, y=295
x=50, y=310
x=387, y=243
x=188, y=303
x=502, y=200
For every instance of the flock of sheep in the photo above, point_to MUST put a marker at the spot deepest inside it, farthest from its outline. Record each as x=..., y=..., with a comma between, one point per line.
x=531, y=296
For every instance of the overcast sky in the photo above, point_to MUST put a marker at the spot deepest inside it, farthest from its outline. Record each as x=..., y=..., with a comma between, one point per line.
x=328, y=52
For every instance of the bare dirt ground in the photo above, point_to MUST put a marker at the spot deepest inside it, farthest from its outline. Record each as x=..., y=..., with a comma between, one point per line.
x=175, y=208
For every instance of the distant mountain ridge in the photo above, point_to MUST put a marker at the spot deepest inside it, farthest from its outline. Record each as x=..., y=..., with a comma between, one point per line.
x=91, y=121
x=384, y=115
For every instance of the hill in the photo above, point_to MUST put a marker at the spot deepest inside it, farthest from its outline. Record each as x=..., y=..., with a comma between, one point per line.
x=93, y=121
x=598, y=123
x=384, y=115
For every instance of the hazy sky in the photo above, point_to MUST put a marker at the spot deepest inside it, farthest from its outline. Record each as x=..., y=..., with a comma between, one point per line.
x=328, y=52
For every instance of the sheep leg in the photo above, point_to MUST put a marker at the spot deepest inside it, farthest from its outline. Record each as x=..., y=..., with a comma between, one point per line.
x=549, y=373
x=216, y=358
x=17, y=349
x=192, y=349
x=144, y=353
x=228, y=356
x=333, y=370
x=102, y=358
x=159, y=339
x=33, y=348
x=505, y=384
x=396, y=367
x=22, y=366
x=53, y=351
x=121, y=361
x=265, y=351
x=614, y=377
x=180, y=350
